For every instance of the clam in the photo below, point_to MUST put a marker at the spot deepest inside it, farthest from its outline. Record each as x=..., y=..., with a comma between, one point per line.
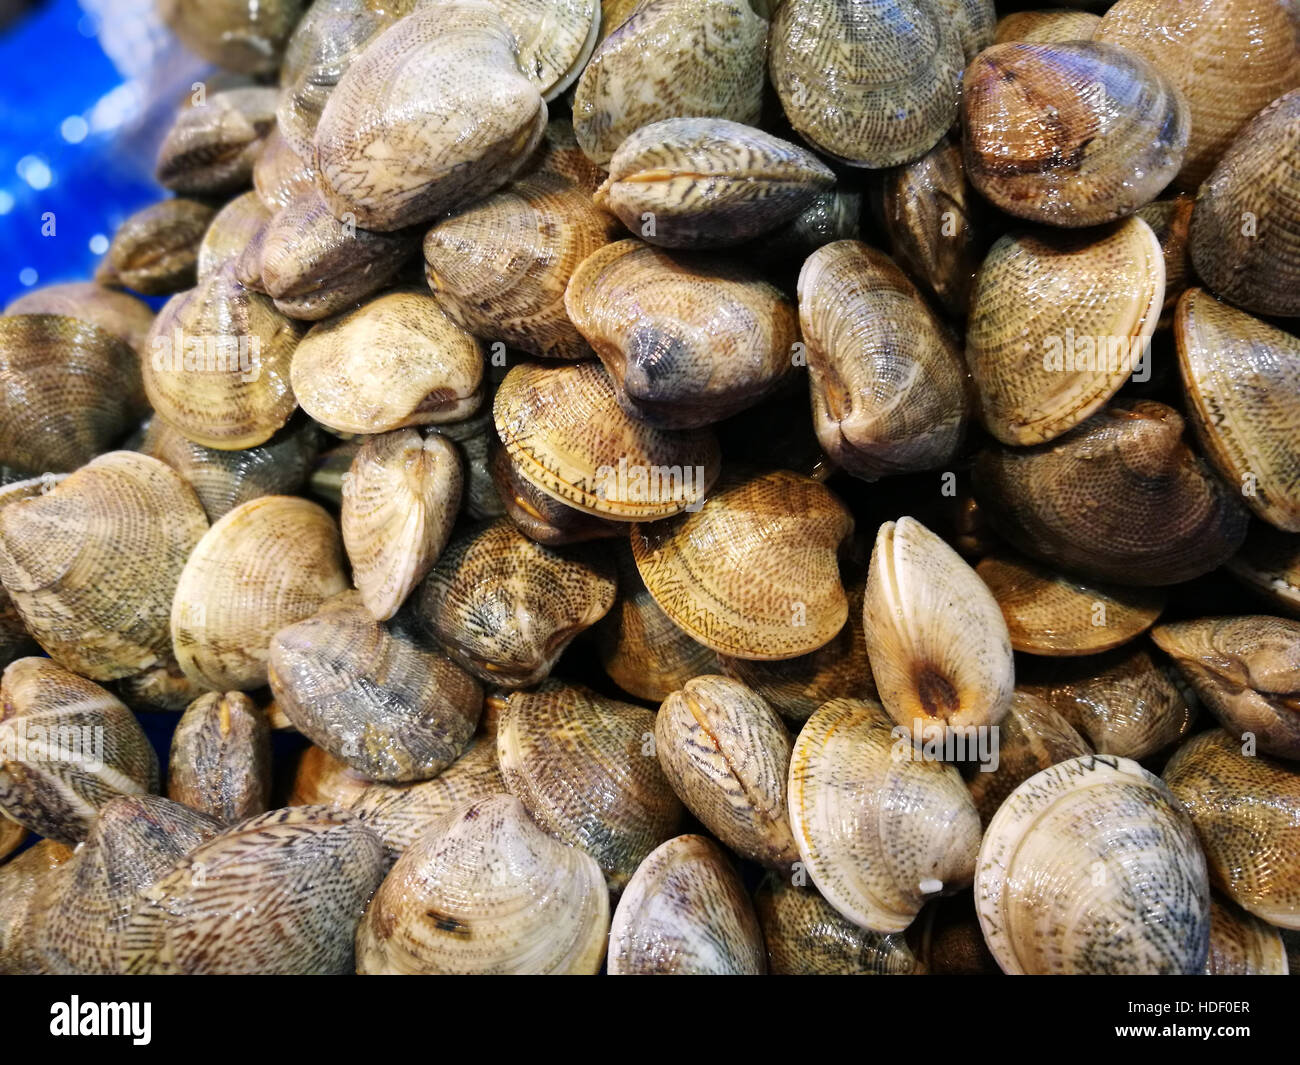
x=212, y=146
x=567, y=435
x=896, y=66
x=1228, y=59
x=400, y=500
x=754, y=572
x=267, y=564
x=542, y=517
x=1046, y=26
x=686, y=913
x=1071, y=134
x=881, y=830
x=23, y=880
x=687, y=339
x=1092, y=867
x=209, y=913
x=372, y=694
x=888, y=384
x=1242, y=945
x=12, y=836
x=727, y=756
x=92, y=564
x=561, y=154
x=833, y=215
x=1171, y=221
x=231, y=230
x=15, y=639
x=1241, y=377
x=314, y=266
x=68, y=391
x=68, y=747
x=320, y=779
x=224, y=479
x=1269, y=563
x=806, y=936
x=218, y=364
x=585, y=769
x=1123, y=703
x=951, y=943
x=554, y=39
x=709, y=182
x=395, y=361
x=499, y=266
x=120, y=313
x=1247, y=671
x=939, y=648
x=432, y=114
x=1059, y=322
x=156, y=250
x=975, y=22
x=484, y=890
x=163, y=687
x=280, y=173
x=476, y=441
x=505, y=608
x=243, y=35
x=1246, y=809
x=1246, y=226
x=669, y=59
x=1120, y=498
x=221, y=758
x=1048, y=613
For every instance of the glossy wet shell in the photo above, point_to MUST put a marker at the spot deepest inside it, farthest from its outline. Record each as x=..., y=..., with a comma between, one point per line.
x=280, y=173
x=221, y=758
x=372, y=694
x=806, y=936
x=566, y=434
x=879, y=834
x=560, y=154
x=320, y=779
x=210, y=912
x=92, y=564
x=484, y=890
x=832, y=215
x=888, y=384
x=1047, y=26
x=499, y=266
x=68, y=391
x=155, y=251
x=709, y=182
x=1120, y=498
x=1058, y=324
x=1092, y=867
x=542, y=517
x=685, y=912
x=1048, y=613
x=22, y=880
x=120, y=313
x=670, y=59
x=939, y=648
x=585, y=768
x=1269, y=564
x=230, y=232
x=554, y=39
x=69, y=748
x=754, y=572
x=1241, y=377
x=211, y=147
x=1229, y=58
x=217, y=368
x=164, y=687
x=1071, y=134
x=243, y=35
x=1246, y=809
x=505, y=607
x=455, y=118
x=896, y=67
x=1242, y=945
x=1246, y=226
x=267, y=564
x=12, y=836
x=393, y=362
x=1246, y=670
x=400, y=500
x=1171, y=221
x=726, y=754
x=475, y=439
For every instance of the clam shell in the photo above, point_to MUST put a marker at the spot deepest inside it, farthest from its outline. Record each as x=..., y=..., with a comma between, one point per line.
x=476, y=440
x=1171, y=221
x=221, y=758
x=1246, y=809
x=1049, y=26
x=485, y=891
x=156, y=250
x=499, y=266
x=400, y=500
x=212, y=146
x=753, y=573
x=29, y=876
x=68, y=747
x=243, y=35
x=687, y=339
x=1269, y=563
x=164, y=687
x=1242, y=945
x=267, y=564
x=554, y=39
x=974, y=21
x=281, y=173
x=685, y=912
x=888, y=384
x=561, y=155
x=12, y=836
x=395, y=361
x=120, y=313
x=230, y=232
x=896, y=66
x=878, y=834
x=1071, y=134
x=322, y=780
x=585, y=768
x=1059, y=322
x=1241, y=377
x=832, y=215
x=541, y=517
x=1092, y=867
x=93, y=563
x=15, y=639
x=567, y=435
x=939, y=648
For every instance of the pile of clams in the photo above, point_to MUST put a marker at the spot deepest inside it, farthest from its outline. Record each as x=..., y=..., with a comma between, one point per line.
x=677, y=486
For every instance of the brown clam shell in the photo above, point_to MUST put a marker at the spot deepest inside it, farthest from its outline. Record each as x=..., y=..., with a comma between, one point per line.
x=156, y=250
x=120, y=313
x=212, y=146
x=220, y=759
x=247, y=36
